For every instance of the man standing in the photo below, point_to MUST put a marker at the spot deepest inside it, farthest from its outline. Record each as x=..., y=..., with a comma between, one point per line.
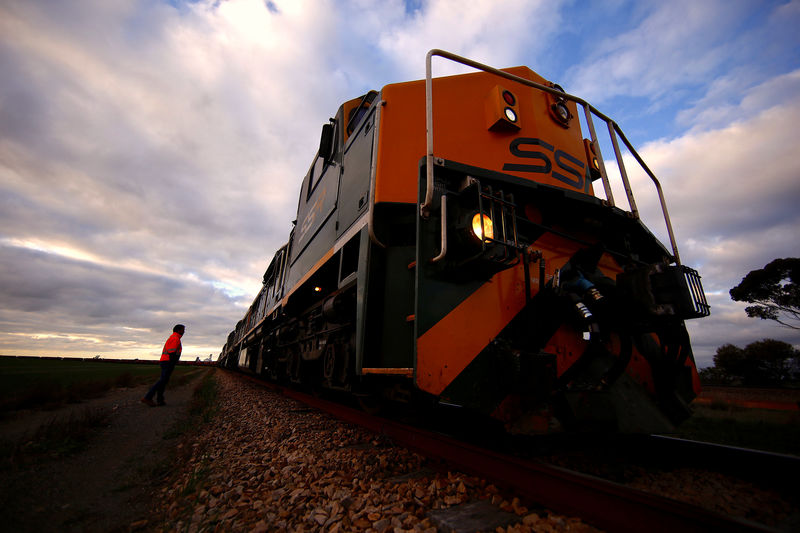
x=169, y=358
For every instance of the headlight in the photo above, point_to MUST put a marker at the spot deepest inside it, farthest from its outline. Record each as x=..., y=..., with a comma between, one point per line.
x=510, y=115
x=502, y=111
x=485, y=229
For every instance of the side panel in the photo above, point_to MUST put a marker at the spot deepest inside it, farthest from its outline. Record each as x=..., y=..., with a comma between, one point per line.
x=316, y=229
x=389, y=328
x=354, y=187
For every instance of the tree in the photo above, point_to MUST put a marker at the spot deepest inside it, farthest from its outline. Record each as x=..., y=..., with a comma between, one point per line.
x=730, y=361
x=712, y=375
x=766, y=362
x=775, y=289
x=770, y=360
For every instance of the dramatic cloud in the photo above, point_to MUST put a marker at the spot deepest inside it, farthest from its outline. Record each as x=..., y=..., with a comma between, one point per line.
x=733, y=194
x=676, y=46
x=159, y=141
x=151, y=152
x=488, y=31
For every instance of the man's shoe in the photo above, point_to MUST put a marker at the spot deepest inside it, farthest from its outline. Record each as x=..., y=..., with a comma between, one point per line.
x=161, y=403
x=149, y=402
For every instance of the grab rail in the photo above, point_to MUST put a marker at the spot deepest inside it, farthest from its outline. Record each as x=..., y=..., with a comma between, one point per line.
x=588, y=110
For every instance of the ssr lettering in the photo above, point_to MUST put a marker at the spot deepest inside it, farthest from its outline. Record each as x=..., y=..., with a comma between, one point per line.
x=572, y=166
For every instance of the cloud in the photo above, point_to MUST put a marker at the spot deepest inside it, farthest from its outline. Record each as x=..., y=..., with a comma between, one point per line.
x=676, y=44
x=678, y=48
x=76, y=306
x=496, y=33
x=145, y=142
x=738, y=96
x=735, y=180
x=733, y=193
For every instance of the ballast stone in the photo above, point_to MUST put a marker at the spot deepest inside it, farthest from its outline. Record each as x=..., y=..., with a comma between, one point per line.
x=470, y=517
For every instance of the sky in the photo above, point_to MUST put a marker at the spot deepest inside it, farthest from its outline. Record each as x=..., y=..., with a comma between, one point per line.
x=151, y=151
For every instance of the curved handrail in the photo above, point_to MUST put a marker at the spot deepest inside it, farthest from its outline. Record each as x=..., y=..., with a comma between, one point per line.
x=589, y=110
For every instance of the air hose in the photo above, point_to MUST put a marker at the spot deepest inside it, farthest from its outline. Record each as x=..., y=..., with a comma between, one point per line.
x=591, y=309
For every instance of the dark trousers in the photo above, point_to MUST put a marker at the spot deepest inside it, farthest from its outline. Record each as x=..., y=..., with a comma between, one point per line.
x=158, y=389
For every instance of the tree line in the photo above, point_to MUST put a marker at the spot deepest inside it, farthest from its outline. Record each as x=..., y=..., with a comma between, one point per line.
x=764, y=363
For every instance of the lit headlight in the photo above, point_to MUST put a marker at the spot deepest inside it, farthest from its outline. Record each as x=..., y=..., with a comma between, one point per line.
x=510, y=115
x=486, y=229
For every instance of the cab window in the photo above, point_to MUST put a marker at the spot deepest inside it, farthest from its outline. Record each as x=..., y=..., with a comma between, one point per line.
x=321, y=164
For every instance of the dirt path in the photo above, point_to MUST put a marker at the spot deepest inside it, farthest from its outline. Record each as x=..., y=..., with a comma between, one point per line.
x=106, y=487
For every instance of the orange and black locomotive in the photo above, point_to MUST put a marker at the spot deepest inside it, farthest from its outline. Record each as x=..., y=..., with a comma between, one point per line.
x=449, y=246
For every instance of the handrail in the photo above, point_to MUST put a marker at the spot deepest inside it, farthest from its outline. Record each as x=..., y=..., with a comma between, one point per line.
x=657, y=184
x=587, y=113
x=622, y=173
x=372, y=173
x=443, y=251
x=589, y=110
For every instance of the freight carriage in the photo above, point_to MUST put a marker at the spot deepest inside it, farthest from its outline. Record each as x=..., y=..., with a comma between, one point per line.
x=449, y=247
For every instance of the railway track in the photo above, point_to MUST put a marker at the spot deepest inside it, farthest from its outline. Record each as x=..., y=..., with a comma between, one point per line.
x=605, y=504
x=779, y=468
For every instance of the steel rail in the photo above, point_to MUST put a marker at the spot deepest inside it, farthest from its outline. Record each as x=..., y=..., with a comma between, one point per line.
x=781, y=469
x=605, y=504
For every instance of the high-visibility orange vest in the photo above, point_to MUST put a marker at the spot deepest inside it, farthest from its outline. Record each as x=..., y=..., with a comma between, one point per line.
x=172, y=348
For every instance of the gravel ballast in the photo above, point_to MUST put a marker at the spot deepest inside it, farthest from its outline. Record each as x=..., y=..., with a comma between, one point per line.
x=268, y=463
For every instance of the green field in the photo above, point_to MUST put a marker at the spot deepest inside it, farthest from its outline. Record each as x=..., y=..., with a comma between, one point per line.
x=762, y=429
x=37, y=382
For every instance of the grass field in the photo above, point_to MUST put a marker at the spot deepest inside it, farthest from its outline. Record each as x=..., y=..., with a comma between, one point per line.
x=30, y=382
x=761, y=429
